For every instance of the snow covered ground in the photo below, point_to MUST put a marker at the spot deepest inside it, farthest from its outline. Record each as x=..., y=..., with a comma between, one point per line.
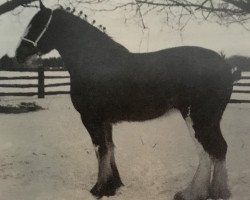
x=48, y=155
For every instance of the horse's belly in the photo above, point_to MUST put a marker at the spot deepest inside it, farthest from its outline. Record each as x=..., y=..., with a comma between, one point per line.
x=142, y=109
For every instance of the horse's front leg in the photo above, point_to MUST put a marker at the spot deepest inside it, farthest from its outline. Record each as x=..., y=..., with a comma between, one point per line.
x=108, y=176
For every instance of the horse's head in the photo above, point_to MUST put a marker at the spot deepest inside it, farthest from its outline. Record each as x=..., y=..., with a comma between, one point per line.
x=37, y=38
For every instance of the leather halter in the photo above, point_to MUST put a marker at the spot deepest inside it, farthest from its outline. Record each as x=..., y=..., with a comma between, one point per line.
x=34, y=43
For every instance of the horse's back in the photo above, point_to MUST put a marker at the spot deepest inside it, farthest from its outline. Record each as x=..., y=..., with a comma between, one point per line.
x=186, y=66
x=180, y=59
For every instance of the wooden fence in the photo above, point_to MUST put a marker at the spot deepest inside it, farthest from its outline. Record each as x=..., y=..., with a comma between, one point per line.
x=41, y=86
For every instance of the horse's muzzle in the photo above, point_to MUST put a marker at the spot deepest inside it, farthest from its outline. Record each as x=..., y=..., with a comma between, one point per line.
x=20, y=59
x=24, y=52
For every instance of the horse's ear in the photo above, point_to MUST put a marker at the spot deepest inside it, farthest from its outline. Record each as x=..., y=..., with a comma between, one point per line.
x=42, y=7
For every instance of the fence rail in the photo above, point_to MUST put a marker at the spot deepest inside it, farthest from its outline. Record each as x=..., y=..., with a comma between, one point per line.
x=41, y=86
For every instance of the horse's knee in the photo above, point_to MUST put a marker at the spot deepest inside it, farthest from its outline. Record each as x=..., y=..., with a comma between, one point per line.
x=212, y=141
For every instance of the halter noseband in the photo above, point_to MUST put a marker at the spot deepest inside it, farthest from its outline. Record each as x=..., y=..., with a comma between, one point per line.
x=34, y=43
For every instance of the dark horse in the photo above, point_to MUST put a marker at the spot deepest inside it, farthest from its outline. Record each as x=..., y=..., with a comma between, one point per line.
x=109, y=84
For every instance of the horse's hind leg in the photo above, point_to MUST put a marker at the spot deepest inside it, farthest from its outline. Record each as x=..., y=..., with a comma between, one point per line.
x=219, y=188
x=213, y=142
x=198, y=189
x=205, y=121
x=108, y=176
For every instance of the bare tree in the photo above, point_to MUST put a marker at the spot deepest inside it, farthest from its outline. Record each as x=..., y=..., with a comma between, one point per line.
x=13, y=4
x=174, y=11
x=180, y=12
x=10, y=5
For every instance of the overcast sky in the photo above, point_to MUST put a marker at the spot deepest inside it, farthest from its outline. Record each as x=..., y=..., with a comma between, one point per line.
x=232, y=40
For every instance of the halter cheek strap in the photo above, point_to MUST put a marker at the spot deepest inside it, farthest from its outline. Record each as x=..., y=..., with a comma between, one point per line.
x=34, y=43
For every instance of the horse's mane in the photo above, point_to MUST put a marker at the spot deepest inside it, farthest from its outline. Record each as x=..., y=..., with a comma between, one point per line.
x=79, y=22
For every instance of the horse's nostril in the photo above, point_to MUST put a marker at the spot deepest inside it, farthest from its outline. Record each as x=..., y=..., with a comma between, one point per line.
x=20, y=55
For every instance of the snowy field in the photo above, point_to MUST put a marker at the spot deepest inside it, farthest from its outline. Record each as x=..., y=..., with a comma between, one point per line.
x=48, y=155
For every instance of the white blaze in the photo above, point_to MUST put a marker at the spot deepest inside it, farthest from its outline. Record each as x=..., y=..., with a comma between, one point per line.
x=26, y=31
x=24, y=34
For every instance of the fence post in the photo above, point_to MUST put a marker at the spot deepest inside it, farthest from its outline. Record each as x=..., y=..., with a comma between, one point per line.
x=41, y=92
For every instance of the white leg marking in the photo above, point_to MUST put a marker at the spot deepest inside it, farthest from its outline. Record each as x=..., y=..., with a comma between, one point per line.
x=199, y=186
x=219, y=186
x=97, y=151
x=104, y=162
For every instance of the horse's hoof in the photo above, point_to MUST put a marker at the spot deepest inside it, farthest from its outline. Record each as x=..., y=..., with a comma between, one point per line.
x=107, y=189
x=178, y=196
x=219, y=193
x=185, y=196
x=103, y=190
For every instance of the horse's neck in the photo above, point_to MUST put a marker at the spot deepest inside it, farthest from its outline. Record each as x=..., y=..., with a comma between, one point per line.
x=84, y=45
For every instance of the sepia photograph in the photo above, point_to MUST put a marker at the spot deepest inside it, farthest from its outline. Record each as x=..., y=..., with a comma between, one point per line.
x=124, y=99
